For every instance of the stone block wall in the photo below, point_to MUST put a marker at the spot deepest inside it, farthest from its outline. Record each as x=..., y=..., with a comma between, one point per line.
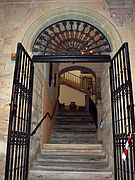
x=48, y=106
x=16, y=19
x=107, y=113
x=37, y=102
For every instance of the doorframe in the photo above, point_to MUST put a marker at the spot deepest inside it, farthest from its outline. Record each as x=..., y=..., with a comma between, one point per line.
x=73, y=59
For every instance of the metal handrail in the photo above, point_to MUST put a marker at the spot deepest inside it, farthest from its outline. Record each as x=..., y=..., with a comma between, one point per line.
x=73, y=75
x=44, y=117
x=68, y=75
x=77, y=81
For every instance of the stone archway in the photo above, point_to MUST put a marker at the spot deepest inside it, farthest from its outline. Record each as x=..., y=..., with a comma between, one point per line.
x=71, y=68
x=65, y=13
x=86, y=78
x=101, y=23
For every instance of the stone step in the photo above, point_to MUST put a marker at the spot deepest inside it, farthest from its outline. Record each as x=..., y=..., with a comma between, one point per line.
x=78, y=147
x=81, y=130
x=76, y=125
x=70, y=165
x=76, y=129
x=69, y=175
x=79, y=139
x=74, y=119
x=65, y=136
x=70, y=158
x=71, y=113
x=82, y=152
x=73, y=142
x=83, y=122
x=70, y=135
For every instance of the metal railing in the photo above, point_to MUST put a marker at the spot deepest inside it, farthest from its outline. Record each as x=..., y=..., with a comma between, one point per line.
x=83, y=84
x=71, y=78
x=44, y=117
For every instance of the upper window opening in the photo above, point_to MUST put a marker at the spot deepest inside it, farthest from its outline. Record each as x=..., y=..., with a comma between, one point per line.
x=71, y=37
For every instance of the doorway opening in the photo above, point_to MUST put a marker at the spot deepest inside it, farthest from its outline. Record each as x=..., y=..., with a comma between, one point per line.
x=76, y=38
x=54, y=46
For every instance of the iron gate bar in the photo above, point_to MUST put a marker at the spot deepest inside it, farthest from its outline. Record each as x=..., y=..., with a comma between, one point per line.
x=67, y=59
x=21, y=105
x=122, y=113
x=20, y=118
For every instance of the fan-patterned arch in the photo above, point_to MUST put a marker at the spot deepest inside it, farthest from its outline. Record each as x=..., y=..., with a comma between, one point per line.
x=71, y=37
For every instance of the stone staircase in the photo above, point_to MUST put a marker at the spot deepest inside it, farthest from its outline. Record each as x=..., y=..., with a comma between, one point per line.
x=73, y=127
x=73, y=152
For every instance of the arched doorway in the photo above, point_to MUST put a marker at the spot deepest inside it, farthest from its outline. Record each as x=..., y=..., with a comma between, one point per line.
x=93, y=19
x=96, y=20
x=80, y=78
x=73, y=50
x=72, y=37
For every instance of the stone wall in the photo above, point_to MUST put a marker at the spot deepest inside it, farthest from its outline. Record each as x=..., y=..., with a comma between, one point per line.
x=48, y=106
x=44, y=100
x=106, y=113
x=37, y=102
x=22, y=22
x=68, y=94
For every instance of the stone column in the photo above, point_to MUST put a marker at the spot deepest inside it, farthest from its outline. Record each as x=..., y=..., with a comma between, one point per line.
x=99, y=118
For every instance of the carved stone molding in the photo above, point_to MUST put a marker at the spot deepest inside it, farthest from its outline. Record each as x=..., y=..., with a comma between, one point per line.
x=119, y=3
x=122, y=16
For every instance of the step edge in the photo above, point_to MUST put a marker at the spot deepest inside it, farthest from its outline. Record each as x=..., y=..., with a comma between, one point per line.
x=72, y=172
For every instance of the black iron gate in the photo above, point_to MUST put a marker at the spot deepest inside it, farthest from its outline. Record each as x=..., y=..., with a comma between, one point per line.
x=20, y=118
x=122, y=113
x=21, y=104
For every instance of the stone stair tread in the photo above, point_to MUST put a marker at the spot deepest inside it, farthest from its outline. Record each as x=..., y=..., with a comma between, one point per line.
x=71, y=178
x=70, y=175
x=70, y=165
x=75, y=131
x=73, y=146
x=94, y=133
x=73, y=121
x=65, y=123
x=75, y=125
x=71, y=153
x=75, y=150
x=67, y=120
x=71, y=157
x=73, y=161
x=59, y=136
x=72, y=113
x=64, y=130
x=91, y=171
x=67, y=166
x=87, y=139
x=73, y=139
x=74, y=142
x=71, y=142
x=71, y=135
